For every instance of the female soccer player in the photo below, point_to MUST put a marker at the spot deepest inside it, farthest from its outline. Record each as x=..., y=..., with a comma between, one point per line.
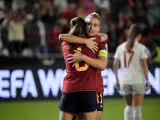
x=132, y=57
x=80, y=83
x=93, y=21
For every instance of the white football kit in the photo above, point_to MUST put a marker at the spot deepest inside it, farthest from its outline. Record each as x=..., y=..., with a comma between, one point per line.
x=131, y=68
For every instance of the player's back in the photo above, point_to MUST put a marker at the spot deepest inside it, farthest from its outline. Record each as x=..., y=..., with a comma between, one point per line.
x=81, y=76
x=131, y=68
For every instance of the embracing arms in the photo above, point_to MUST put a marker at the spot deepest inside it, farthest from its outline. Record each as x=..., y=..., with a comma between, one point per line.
x=99, y=63
x=90, y=43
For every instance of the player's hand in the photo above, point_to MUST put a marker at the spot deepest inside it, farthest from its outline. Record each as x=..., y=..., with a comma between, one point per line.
x=148, y=86
x=76, y=57
x=117, y=86
x=91, y=44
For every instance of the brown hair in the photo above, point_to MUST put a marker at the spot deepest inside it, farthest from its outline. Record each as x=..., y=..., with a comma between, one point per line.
x=78, y=27
x=134, y=31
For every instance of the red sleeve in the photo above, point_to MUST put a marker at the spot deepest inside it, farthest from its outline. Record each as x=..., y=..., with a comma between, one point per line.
x=102, y=45
x=98, y=38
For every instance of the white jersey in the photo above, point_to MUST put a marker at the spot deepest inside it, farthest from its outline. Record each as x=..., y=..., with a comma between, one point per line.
x=131, y=68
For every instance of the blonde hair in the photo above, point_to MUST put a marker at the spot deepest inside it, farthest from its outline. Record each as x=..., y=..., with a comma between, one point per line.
x=94, y=14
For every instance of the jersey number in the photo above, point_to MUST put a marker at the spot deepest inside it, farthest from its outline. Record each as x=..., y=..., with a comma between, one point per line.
x=126, y=64
x=77, y=66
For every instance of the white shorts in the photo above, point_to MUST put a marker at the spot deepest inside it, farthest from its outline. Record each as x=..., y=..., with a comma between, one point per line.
x=133, y=89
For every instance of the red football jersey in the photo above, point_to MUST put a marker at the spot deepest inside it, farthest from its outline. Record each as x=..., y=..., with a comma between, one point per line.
x=81, y=77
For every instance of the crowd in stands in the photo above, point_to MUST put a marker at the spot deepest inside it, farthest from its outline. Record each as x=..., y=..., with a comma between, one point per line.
x=31, y=27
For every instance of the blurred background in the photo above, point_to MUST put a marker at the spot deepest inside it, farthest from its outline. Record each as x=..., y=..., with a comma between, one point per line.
x=32, y=66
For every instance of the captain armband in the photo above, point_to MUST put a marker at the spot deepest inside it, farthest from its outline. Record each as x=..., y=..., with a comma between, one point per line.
x=103, y=53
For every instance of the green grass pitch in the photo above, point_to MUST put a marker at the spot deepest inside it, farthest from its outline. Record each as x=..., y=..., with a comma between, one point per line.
x=48, y=110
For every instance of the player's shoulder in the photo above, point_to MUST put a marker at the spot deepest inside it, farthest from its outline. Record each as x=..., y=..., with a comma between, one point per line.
x=140, y=45
x=98, y=38
x=65, y=46
x=121, y=46
x=103, y=43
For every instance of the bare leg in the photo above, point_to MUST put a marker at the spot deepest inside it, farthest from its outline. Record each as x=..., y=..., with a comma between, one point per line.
x=138, y=99
x=99, y=115
x=66, y=116
x=79, y=117
x=90, y=115
x=137, y=113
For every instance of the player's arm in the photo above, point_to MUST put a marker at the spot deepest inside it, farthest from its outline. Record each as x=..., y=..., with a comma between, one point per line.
x=99, y=63
x=145, y=68
x=79, y=40
x=90, y=43
x=72, y=39
x=115, y=68
x=116, y=64
x=144, y=58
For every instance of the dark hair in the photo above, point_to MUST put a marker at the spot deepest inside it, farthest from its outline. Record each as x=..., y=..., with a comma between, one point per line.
x=78, y=27
x=134, y=31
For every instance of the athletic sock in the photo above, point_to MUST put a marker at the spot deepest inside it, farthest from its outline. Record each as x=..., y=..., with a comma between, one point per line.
x=137, y=114
x=128, y=112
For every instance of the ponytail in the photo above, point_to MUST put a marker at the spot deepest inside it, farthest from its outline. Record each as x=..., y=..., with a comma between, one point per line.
x=134, y=31
x=130, y=44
